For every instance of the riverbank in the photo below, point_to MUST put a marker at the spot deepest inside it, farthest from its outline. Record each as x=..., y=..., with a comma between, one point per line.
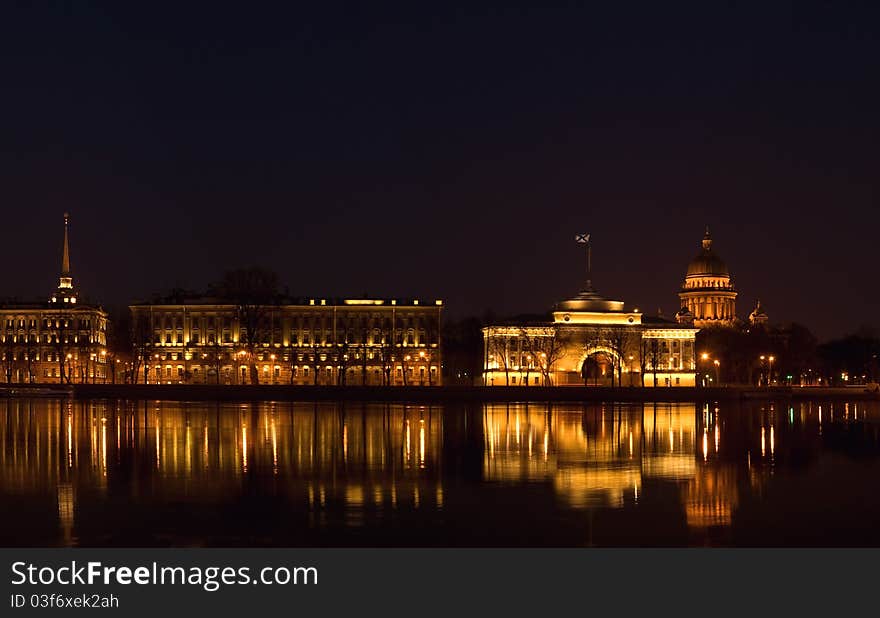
x=430, y=394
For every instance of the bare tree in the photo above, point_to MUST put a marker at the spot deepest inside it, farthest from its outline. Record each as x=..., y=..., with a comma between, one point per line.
x=141, y=337
x=499, y=351
x=252, y=291
x=8, y=356
x=547, y=346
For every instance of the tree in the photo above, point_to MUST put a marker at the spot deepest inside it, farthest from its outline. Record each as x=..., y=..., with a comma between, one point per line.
x=546, y=345
x=252, y=291
x=463, y=350
x=141, y=344
x=8, y=356
x=498, y=349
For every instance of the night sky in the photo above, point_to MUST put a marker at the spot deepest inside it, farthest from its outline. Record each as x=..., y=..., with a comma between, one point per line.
x=435, y=151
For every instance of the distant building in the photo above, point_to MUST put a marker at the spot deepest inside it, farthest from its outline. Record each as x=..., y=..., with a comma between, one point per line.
x=204, y=340
x=60, y=340
x=590, y=340
x=758, y=317
x=708, y=296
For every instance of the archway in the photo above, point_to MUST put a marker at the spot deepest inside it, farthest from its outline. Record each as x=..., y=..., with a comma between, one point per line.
x=597, y=366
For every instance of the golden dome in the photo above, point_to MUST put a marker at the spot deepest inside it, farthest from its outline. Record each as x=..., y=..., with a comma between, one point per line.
x=707, y=262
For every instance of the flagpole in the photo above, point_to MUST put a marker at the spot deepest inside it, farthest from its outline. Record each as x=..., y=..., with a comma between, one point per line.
x=589, y=262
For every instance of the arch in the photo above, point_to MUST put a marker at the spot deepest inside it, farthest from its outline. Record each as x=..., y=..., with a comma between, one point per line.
x=591, y=366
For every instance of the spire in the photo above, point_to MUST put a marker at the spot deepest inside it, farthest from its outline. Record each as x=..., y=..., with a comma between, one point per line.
x=65, y=282
x=707, y=240
x=65, y=258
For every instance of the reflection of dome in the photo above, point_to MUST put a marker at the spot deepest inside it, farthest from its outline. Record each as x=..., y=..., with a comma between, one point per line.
x=707, y=262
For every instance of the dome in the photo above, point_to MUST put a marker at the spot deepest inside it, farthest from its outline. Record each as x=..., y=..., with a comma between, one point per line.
x=590, y=300
x=707, y=262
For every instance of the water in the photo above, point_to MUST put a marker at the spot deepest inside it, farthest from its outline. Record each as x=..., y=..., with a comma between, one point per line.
x=148, y=473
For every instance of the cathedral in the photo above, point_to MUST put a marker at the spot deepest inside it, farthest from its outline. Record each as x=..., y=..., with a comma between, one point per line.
x=708, y=295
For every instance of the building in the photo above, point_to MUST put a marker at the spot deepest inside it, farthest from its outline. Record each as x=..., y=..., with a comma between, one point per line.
x=60, y=340
x=590, y=340
x=210, y=340
x=708, y=296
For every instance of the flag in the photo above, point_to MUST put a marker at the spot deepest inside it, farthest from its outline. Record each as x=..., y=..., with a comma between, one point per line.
x=582, y=238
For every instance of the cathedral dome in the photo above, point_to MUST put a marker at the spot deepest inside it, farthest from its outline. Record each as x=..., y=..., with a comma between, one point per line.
x=707, y=262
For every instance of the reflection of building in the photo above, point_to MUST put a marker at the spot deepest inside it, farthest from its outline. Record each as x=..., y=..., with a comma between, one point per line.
x=707, y=297
x=593, y=457
x=315, y=341
x=590, y=340
x=61, y=340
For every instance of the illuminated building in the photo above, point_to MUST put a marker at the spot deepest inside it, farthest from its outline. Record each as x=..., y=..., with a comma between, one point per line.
x=57, y=341
x=203, y=340
x=590, y=340
x=708, y=297
x=758, y=317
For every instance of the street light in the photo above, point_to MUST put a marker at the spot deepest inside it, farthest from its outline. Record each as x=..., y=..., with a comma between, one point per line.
x=717, y=372
x=770, y=371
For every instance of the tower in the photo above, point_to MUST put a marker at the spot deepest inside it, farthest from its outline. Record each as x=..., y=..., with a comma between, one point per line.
x=707, y=296
x=65, y=292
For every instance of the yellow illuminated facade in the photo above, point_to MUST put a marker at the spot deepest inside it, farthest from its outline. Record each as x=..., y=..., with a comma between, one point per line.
x=302, y=342
x=708, y=296
x=62, y=340
x=590, y=340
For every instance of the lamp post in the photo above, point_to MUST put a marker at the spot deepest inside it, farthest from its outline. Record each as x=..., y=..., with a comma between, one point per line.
x=704, y=357
x=104, y=364
x=717, y=372
x=272, y=356
x=770, y=371
x=762, y=363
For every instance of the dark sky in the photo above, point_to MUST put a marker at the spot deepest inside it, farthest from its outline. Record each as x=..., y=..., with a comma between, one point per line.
x=447, y=152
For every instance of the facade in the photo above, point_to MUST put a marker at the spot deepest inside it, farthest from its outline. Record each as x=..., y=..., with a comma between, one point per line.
x=708, y=296
x=203, y=340
x=590, y=340
x=61, y=340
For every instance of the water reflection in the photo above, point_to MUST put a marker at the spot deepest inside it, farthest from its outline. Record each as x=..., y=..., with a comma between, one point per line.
x=167, y=473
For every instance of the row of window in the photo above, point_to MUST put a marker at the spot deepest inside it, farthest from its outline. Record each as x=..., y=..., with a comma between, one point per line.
x=408, y=338
x=47, y=323
x=50, y=339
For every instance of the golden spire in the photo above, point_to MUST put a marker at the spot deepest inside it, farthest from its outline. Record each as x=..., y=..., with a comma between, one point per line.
x=66, y=280
x=65, y=258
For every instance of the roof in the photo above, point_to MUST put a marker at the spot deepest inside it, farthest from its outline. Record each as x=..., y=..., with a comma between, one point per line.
x=707, y=261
